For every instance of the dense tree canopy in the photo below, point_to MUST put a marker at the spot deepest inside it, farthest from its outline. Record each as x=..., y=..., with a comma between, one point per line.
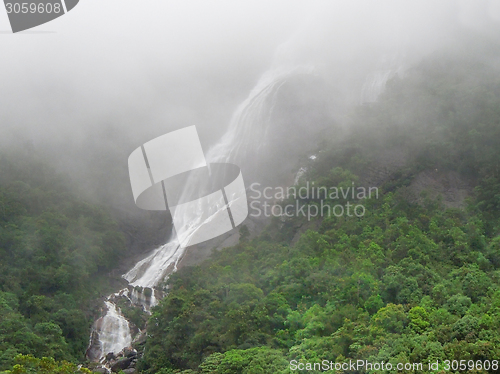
x=410, y=281
x=54, y=247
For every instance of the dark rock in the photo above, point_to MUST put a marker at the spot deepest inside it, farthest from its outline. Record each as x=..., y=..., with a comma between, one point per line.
x=130, y=352
x=129, y=371
x=110, y=356
x=141, y=338
x=101, y=371
x=94, y=351
x=121, y=365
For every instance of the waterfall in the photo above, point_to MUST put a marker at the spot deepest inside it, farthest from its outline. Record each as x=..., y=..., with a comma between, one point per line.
x=246, y=133
x=244, y=138
x=114, y=333
x=111, y=333
x=150, y=271
x=375, y=81
x=374, y=85
x=140, y=299
x=239, y=139
x=251, y=121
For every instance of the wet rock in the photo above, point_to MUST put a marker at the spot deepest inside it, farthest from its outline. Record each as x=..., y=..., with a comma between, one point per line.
x=101, y=371
x=129, y=371
x=141, y=338
x=129, y=352
x=94, y=351
x=110, y=356
x=121, y=365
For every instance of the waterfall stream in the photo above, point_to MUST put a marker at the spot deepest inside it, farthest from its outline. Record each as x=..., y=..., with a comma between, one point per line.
x=111, y=333
x=115, y=330
x=245, y=135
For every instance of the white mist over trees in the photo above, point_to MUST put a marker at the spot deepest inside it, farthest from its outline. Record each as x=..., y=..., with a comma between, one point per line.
x=119, y=73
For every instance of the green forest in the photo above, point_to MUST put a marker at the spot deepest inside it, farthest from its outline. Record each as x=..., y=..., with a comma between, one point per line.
x=414, y=280
x=409, y=282
x=55, y=249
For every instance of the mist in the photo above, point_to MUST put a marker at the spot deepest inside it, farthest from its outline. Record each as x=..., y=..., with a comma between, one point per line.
x=86, y=89
x=390, y=94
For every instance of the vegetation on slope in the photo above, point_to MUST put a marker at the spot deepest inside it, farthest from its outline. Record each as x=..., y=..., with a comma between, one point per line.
x=407, y=282
x=54, y=248
x=410, y=281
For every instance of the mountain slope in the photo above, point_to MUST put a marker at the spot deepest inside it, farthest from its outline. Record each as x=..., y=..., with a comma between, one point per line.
x=409, y=281
x=55, y=249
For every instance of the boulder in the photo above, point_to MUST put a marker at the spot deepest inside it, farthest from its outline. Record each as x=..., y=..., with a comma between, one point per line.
x=129, y=371
x=101, y=371
x=121, y=365
x=129, y=352
x=94, y=350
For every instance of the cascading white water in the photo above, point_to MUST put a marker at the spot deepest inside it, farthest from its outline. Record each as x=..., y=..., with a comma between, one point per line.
x=114, y=333
x=113, y=330
x=376, y=81
x=374, y=85
x=139, y=298
x=246, y=134
x=150, y=271
x=250, y=122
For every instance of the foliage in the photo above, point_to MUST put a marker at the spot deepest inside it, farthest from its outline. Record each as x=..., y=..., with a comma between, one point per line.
x=410, y=281
x=25, y=364
x=54, y=248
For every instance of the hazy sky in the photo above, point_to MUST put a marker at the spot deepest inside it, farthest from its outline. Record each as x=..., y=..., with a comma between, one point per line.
x=117, y=73
x=150, y=66
x=164, y=64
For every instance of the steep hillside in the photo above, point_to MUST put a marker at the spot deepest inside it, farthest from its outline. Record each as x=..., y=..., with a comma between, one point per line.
x=56, y=250
x=415, y=279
